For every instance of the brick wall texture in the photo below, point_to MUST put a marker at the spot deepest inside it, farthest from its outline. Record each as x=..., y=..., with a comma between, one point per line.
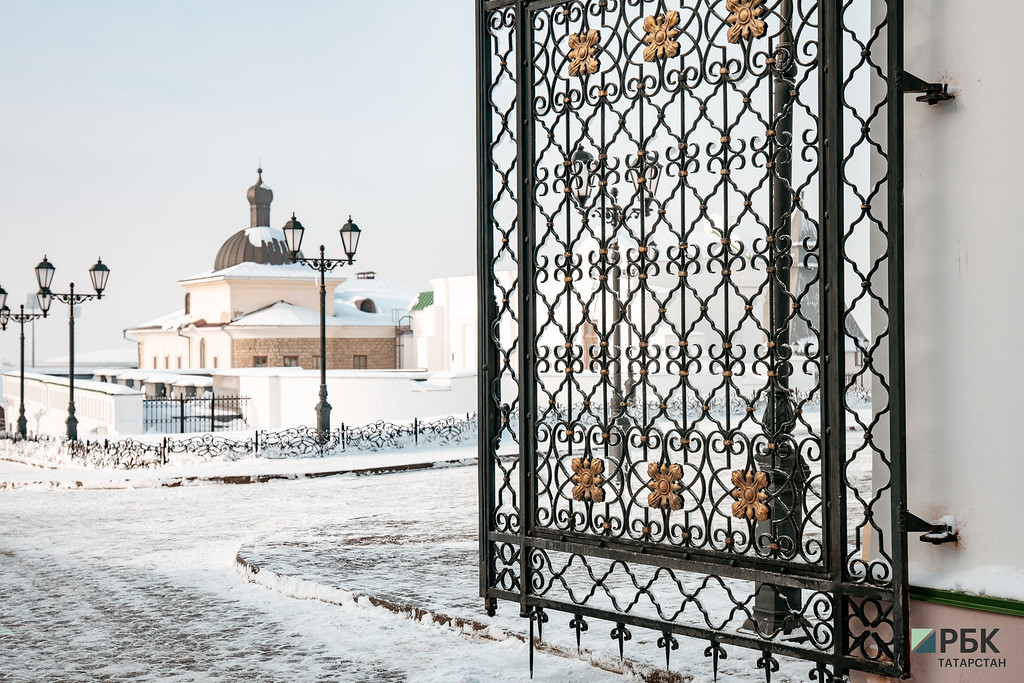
x=341, y=353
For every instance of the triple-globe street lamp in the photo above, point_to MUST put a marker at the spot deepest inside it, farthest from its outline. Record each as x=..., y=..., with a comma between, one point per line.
x=293, y=232
x=21, y=318
x=44, y=278
x=588, y=173
x=585, y=174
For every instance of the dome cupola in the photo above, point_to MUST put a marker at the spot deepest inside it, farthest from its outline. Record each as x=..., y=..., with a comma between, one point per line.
x=259, y=243
x=260, y=196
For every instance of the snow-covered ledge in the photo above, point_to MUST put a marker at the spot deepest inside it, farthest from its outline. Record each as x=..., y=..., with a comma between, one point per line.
x=102, y=409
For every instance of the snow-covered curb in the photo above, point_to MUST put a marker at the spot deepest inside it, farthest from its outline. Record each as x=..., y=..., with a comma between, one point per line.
x=171, y=482
x=303, y=589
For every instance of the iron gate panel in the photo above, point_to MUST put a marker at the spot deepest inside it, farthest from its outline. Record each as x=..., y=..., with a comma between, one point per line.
x=690, y=242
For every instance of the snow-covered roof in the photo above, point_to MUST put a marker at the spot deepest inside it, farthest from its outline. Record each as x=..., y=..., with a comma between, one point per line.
x=171, y=321
x=424, y=300
x=123, y=357
x=386, y=295
x=283, y=314
x=260, y=271
x=84, y=384
x=199, y=382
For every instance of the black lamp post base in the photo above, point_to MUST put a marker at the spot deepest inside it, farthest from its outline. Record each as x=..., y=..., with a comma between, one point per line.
x=22, y=426
x=323, y=418
x=72, y=424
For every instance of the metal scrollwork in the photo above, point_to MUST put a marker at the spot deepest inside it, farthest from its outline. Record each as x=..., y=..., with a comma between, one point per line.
x=690, y=372
x=289, y=443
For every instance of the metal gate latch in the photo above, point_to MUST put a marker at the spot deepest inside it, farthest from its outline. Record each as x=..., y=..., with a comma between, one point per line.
x=933, y=92
x=943, y=531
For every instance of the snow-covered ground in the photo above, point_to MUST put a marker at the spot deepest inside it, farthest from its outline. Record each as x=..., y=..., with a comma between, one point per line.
x=141, y=582
x=76, y=475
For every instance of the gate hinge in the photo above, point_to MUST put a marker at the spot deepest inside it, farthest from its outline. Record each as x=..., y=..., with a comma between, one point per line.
x=943, y=531
x=933, y=93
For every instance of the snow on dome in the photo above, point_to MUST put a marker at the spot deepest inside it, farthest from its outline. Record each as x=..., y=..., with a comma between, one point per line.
x=261, y=234
x=260, y=244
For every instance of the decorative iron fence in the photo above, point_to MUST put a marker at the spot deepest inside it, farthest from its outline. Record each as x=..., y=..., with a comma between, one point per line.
x=290, y=443
x=184, y=415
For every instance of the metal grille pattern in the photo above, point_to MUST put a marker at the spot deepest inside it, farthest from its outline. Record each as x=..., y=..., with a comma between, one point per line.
x=690, y=235
x=188, y=414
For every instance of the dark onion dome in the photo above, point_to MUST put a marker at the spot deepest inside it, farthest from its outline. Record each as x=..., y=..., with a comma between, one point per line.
x=255, y=245
x=258, y=243
x=259, y=194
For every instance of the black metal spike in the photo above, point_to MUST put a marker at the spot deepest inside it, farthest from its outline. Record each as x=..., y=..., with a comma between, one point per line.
x=622, y=634
x=821, y=674
x=668, y=642
x=541, y=618
x=716, y=652
x=580, y=624
x=530, y=616
x=769, y=664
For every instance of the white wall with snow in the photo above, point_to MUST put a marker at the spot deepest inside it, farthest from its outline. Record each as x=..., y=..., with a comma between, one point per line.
x=964, y=242
x=102, y=409
x=286, y=397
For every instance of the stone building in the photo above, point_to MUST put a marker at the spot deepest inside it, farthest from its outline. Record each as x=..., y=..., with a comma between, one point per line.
x=257, y=309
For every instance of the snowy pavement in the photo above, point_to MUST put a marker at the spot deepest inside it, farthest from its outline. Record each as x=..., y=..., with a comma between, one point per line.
x=142, y=583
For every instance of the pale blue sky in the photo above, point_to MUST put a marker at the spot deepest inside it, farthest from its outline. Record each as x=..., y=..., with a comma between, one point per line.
x=131, y=130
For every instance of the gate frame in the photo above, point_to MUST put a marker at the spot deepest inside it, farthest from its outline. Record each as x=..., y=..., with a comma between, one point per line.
x=831, y=577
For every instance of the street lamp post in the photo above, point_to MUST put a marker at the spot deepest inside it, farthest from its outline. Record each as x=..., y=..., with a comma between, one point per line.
x=350, y=232
x=644, y=172
x=20, y=318
x=44, y=277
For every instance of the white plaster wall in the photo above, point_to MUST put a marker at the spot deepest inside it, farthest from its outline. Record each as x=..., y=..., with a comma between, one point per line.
x=456, y=296
x=251, y=295
x=163, y=345
x=282, y=397
x=221, y=301
x=102, y=409
x=444, y=334
x=964, y=244
x=210, y=301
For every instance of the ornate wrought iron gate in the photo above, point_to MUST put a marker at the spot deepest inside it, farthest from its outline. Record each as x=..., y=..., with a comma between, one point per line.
x=690, y=258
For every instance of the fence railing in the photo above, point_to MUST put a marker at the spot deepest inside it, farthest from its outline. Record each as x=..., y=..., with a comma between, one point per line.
x=296, y=442
x=184, y=415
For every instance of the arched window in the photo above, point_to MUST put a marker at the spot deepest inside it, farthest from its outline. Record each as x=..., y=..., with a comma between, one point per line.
x=188, y=303
x=367, y=306
x=202, y=353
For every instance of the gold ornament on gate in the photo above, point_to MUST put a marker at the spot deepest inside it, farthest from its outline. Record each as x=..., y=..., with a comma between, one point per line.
x=749, y=494
x=660, y=36
x=583, y=53
x=745, y=19
x=664, y=486
x=587, y=479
